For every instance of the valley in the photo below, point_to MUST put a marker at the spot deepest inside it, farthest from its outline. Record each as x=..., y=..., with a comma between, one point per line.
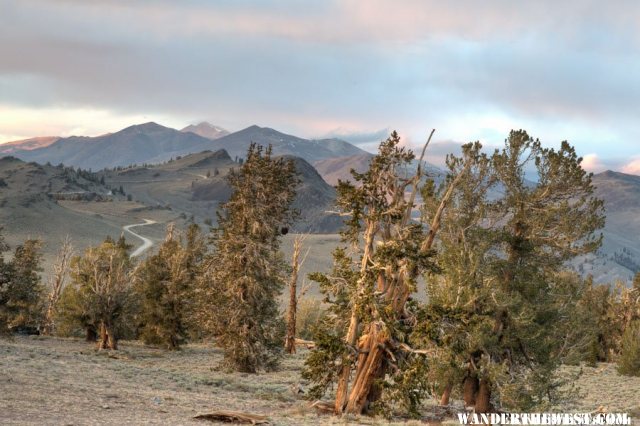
x=152, y=172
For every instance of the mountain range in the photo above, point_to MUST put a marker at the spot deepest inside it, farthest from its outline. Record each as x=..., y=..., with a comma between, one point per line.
x=173, y=174
x=151, y=143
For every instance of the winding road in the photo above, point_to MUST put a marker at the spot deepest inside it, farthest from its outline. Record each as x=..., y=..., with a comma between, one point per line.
x=146, y=243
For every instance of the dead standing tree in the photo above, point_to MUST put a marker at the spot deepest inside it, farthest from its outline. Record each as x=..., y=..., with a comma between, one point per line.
x=296, y=263
x=56, y=284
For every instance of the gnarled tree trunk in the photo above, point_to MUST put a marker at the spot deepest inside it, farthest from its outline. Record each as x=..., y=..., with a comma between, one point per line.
x=470, y=387
x=483, y=398
x=107, y=338
x=446, y=395
x=102, y=337
x=369, y=369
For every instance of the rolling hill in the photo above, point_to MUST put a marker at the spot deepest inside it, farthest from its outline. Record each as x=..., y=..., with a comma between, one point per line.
x=236, y=144
x=334, y=169
x=195, y=185
x=619, y=256
x=30, y=144
x=32, y=205
x=339, y=168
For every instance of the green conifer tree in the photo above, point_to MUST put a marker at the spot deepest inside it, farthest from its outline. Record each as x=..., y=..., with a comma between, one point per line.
x=164, y=287
x=495, y=319
x=22, y=299
x=247, y=271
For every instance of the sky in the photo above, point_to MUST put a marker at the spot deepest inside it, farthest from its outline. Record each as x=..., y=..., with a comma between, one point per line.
x=562, y=70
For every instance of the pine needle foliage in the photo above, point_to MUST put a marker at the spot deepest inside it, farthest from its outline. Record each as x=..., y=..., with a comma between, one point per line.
x=362, y=347
x=100, y=295
x=164, y=287
x=246, y=272
x=494, y=316
x=21, y=289
x=629, y=361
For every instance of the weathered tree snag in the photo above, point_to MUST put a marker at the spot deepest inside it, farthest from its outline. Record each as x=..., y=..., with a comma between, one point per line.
x=446, y=395
x=290, y=338
x=107, y=338
x=469, y=390
x=102, y=338
x=56, y=283
x=483, y=398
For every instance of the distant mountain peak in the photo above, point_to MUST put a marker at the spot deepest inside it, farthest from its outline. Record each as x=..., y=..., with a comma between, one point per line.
x=206, y=130
x=144, y=127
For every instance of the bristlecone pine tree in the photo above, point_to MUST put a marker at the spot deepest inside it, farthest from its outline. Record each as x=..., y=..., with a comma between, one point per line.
x=164, y=287
x=629, y=360
x=21, y=289
x=364, y=346
x=247, y=271
x=495, y=318
x=100, y=291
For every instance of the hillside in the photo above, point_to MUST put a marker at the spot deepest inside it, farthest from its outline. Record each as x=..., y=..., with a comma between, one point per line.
x=619, y=257
x=334, y=169
x=196, y=185
x=32, y=199
x=27, y=144
x=237, y=144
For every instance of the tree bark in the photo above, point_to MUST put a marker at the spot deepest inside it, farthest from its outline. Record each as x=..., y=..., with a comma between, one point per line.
x=469, y=390
x=342, y=391
x=112, y=340
x=446, y=395
x=91, y=334
x=102, y=338
x=369, y=368
x=483, y=398
x=290, y=339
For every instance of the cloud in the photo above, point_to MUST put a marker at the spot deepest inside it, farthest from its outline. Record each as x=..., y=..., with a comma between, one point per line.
x=359, y=137
x=632, y=167
x=592, y=163
x=568, y=70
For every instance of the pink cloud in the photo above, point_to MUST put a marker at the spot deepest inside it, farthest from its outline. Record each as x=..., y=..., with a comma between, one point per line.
x=633, y=167
x=592, y=163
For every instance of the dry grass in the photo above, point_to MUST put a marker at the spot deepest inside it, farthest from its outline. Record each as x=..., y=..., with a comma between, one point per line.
x=65, y=381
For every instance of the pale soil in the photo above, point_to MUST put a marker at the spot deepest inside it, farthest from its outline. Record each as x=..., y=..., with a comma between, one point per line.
x=57, y=381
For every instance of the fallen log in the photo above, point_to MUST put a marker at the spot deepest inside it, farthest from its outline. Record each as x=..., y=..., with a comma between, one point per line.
x=233, y=417
x=323, y=406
